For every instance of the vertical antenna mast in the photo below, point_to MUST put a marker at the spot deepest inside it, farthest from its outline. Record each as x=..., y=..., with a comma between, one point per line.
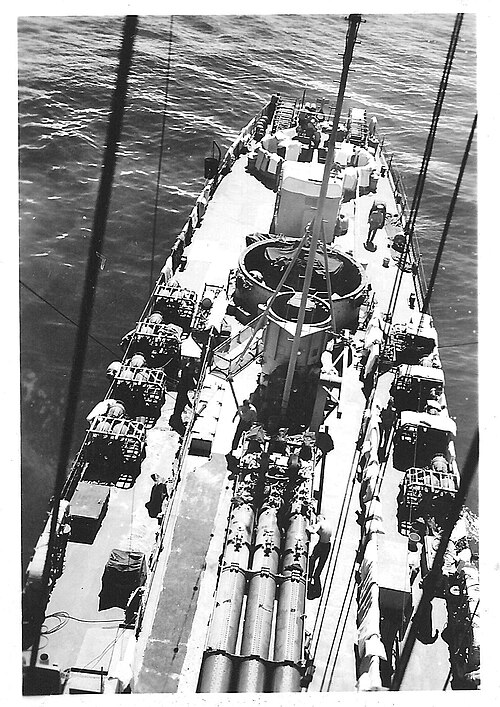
x=352, y=32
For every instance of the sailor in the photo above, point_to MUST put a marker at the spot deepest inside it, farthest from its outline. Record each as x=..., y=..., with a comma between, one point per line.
x=248, y=415
x=324, y=442
x=387, y=418
x=374, y=339
x=372, y=126
x=376, y=220
x=186, y=383
x=354, y=161
x=158, y=495
x=321, y=550
x=302, y=119
x=341, y=225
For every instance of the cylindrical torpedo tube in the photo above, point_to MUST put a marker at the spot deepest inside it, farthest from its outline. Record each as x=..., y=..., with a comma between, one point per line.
x=260, y=603
x=217, y=668
x=288, y=646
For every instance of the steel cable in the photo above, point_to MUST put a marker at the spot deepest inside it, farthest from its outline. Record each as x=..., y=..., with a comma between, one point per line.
x=437, y=260
x=410, y=223
x=343, y=627
x=348, y=589
x=160, y=159
x=30, y=289
x=325, y=596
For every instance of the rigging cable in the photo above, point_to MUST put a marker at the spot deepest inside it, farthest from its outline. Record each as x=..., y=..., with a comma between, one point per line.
x=330, y=572
x=410, y=223
x=351, y=36
x=160, y=159
x=335, y=550
x=113, y=353
x=449, y=216
x=349, y=592
x=349, y=604
x=456, y=346
x=431, y=579
x=91, y=274
x=346, y=502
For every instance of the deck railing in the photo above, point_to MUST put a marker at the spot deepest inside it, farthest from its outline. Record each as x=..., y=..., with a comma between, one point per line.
x=403, y=207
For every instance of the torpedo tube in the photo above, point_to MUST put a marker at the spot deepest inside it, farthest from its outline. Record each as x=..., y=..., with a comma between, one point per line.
x=217, y=670
x=260, y=603
x=290, y=614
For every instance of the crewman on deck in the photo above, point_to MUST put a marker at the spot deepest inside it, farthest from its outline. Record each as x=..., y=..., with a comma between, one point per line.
x=248, y=415
x=322, y=548
x=387, y=418
x=376, y=220
x=158, y=494
x=186, y=383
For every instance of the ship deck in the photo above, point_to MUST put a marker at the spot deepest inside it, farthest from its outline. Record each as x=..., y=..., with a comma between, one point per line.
x=172, y=639
x=239, y=206
x=335, y=611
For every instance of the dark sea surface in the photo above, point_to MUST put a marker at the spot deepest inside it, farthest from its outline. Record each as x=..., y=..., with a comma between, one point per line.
x=223, y=69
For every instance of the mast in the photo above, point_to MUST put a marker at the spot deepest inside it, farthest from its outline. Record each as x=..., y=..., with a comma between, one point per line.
x=352, y=32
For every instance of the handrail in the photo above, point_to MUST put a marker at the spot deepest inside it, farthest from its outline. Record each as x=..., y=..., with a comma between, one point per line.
x=398, y=188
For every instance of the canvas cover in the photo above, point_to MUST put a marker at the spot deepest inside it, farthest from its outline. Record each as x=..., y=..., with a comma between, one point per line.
x=427, y=372
x=124, y=572
x=436, y=422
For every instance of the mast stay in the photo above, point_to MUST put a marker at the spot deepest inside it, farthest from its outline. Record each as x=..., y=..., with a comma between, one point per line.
x=352, y=33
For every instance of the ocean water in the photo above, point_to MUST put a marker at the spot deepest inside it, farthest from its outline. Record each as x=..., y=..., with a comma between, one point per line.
x=223, y=68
